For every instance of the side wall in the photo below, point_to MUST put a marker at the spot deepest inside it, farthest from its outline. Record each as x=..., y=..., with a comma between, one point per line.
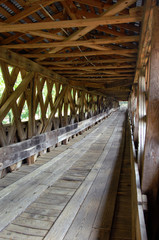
x=144, y=112
x=32, y=103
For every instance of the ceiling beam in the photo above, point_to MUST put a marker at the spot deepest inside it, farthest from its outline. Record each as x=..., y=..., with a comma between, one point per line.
x=145, y=37
x=94, y=67
x=91, y=53
x=108, y=40
x=119, y=60
x=114, y=9
x=69, y=23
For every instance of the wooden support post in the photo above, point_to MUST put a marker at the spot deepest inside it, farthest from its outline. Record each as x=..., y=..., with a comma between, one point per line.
x=31, y=122
x=136, y=115
x=65, y=142
x=142, y=120
x=66, y=107
x=150, y=173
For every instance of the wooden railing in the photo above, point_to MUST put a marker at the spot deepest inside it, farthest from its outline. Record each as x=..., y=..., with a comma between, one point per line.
x=17, y=152
x=138, y=221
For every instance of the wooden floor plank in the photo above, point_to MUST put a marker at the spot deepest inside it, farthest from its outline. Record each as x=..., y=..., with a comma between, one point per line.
x=18, y=236
x=83, y=222
x=66, y=218
x=33, y=223
x=121, y=227
x=66, y=185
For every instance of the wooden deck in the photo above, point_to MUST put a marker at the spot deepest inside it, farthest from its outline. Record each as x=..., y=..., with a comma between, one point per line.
x=78, y=191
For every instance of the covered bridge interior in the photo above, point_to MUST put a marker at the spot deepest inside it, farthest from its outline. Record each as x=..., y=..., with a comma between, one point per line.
x=79, y=110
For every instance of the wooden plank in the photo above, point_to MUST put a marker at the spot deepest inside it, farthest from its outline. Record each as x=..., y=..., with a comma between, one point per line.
x=105, y=20
x=26, y=230
x=32, y=223
x=91, y=204
x=38, y=181
x=70, y=43
x=17, y=236
x=120, y=60
x=19, y=151
x=62, y=224
x=35, y=216
x=138, y=222
x=91, y=53
x=44, y=212
x=94, y=67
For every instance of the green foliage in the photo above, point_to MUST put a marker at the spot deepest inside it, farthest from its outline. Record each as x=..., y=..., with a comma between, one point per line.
x=123, y=104
x=25, y=113
x=18, y=81
x=53, y=93
x=44, y=92
x=38, y=112
x=2, y=84
x=8, y=118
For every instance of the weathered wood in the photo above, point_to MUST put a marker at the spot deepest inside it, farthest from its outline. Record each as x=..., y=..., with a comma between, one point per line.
x=63, y=223
x=75, y=43
x=22, y=86
x=143, y=39
x=120, y=60
x=20, y=61
x=39, y=180
x=138, y=221
x=110, y=12
x=142, y=120
x=150, y=175
x=91, y=53
x=19, y=151
x=70, y=23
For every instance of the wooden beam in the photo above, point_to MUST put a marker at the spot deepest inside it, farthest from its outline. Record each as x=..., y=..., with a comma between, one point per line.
x=21, y=88
x=24, y=63
x=99, y=73
x=141, y=123
x=71, y=54
x=94, y=67
x=68, y=23
x=150, y=173
x=56, y=104
x=119, y=60
x=145, y=31
x=108, y=40
x=128, y=78
x=114, y=9
x=28, y=11
x=47, y=35
x=98, y=85
x=95, y=3
x=38, y=2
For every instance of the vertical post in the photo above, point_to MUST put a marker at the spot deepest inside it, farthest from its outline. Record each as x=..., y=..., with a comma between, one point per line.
x=31, y=121
x=136, y=116
x=142, y=122
x=66, y=108
x=150, y=173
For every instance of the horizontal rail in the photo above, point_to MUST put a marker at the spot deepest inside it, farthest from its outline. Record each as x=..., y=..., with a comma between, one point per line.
x=138, y=221
x=14, y=153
